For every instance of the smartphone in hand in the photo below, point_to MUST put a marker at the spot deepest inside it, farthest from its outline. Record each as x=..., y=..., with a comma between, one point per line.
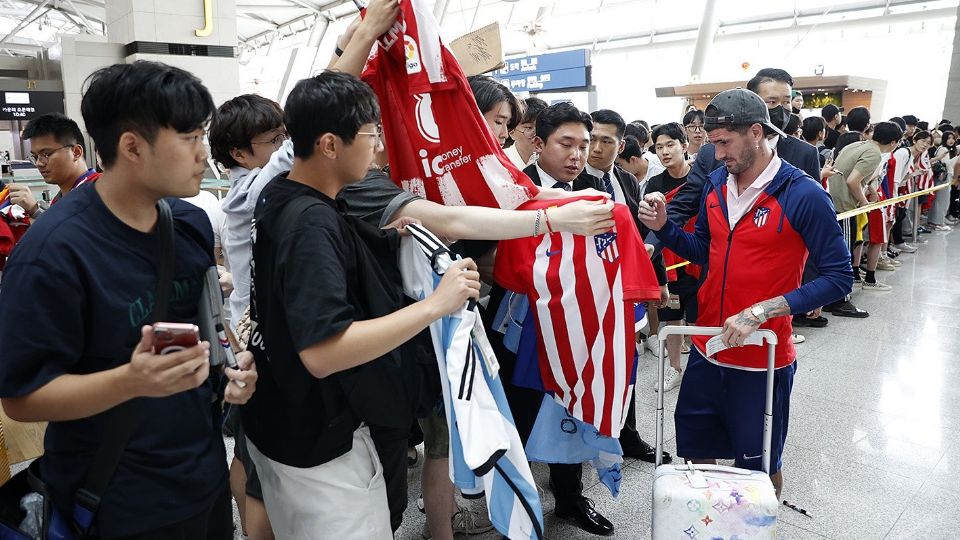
x=173, y=337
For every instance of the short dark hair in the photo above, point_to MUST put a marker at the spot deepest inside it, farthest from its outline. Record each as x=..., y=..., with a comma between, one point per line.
x=558, y=114
x=887, y=132
x=844, y=140
x=921, y=135
x=910, y=119
x=631, y=148
x=638, y=131
x=899, y=121
x=769, y=74
x=829, y=112
x=812, y=126
x=488, y=93
x=693, y=115
x=330, y=102
x=532, y=107
x=858, y=118
x=142, y=97
x=613, y=118
x=239, y=120
x=671, y=129
x=793, y=124
x=643, y=123
x=923, y=124
x=62, y=127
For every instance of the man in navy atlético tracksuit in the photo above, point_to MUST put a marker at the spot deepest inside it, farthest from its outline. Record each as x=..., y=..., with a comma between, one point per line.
x=761, y=219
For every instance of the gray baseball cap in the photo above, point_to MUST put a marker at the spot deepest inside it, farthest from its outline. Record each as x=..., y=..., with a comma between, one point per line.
x=735, y=108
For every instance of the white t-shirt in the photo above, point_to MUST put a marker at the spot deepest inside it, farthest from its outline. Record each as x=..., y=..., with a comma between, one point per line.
x=209, y=203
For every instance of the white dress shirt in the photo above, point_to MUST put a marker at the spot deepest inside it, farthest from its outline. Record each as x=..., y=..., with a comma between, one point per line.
x=618, y=195
x=548, y=181
x=739, y=204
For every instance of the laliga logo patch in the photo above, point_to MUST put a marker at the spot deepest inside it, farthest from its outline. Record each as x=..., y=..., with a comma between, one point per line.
x=760, y=216
x=606, y=245
x=426, y=123
x=412, y=52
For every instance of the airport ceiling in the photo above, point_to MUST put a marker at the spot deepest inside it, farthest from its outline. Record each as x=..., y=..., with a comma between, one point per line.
x=30, y=26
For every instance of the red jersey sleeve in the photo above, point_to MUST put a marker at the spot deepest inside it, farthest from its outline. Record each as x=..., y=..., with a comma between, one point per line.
x=639, y=280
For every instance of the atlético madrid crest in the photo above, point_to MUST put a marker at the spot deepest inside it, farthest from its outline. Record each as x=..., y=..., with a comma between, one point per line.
x=760, y=216
x=607, y=246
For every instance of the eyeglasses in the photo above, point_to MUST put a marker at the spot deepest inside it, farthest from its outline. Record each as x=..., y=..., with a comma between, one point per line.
x=527, y=132
x=377, y=134
x=44, y=156
x=276, y=141
x=696, y=128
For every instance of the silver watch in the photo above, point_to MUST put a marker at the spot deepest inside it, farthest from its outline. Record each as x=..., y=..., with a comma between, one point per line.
x=758, y=312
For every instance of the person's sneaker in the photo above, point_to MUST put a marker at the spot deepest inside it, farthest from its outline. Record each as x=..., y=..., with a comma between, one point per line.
x=877, y=286
x=942, y=228
x=891, y=254
x=653, y=344
x=906, y=248
x=671, y=380
x=466, y=521
x=923, y=230
x=886, y=266
x=951, y=220
x=797, y=339
x=685, y=348
x=857, y=281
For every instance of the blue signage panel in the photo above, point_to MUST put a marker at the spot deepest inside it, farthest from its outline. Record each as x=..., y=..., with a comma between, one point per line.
x=546, y=81
x=545, y=62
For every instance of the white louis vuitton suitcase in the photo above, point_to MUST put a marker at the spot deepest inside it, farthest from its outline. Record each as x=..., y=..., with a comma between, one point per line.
x=713, y=501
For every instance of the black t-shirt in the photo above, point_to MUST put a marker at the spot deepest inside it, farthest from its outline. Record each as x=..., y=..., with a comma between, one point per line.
x=375, y=199
x=304, y=273
x=75, y=293
x=664, y=183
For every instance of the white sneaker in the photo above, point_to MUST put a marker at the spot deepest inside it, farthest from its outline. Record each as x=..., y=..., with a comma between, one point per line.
x=906, y=248
x=797, y=338
x=653, y=344
x=671, y=378
x=878, y=286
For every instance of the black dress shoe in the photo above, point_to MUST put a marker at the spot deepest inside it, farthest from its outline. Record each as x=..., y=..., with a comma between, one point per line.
x=804, y=321
x=583, y=514
x=643, y=451
x=846, y=309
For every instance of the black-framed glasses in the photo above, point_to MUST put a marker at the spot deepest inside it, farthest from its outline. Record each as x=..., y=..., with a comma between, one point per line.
x=44, y=155
x=276, y=141
x=696, y=128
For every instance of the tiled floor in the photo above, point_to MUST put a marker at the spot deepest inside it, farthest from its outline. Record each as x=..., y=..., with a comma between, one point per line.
x=874, y=444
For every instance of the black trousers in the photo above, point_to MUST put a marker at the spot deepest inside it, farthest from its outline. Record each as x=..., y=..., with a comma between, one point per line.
x=898, y=225
x=215, y=523
x=566, y=479
x=391, y=445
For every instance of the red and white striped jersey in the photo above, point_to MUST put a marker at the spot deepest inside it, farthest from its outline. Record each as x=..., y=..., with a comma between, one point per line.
x=439, y=144
x=582, y=290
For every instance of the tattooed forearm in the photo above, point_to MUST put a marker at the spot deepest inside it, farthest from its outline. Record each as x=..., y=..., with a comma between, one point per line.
x=776, y=307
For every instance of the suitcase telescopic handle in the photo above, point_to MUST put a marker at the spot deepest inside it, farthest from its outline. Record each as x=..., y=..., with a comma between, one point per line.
x=768, y=335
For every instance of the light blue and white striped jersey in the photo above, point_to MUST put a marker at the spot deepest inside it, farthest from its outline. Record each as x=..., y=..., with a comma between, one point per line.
x=486, y=453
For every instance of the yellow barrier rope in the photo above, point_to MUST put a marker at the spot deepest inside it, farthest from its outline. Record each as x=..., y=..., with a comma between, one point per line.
x=862, y=210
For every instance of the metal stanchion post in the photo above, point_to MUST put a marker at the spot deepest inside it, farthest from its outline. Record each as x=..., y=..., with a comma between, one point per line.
x=916, y=218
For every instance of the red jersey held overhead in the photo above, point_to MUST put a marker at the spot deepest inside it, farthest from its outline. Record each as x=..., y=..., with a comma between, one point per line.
x=439, y=144
x=582, y=290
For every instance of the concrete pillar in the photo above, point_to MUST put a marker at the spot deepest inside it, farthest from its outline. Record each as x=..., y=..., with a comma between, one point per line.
x=951, y=105
x=708, y=30
x=199, y=36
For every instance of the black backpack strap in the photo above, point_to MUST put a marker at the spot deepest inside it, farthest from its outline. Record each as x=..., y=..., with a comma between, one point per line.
x=122, y=419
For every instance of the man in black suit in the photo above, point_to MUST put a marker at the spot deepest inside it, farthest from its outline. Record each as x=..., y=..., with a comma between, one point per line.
x=774, y=86
x=606, y=143
x=563, y=140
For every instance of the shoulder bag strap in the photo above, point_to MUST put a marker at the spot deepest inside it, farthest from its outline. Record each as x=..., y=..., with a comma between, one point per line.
x=122, y=419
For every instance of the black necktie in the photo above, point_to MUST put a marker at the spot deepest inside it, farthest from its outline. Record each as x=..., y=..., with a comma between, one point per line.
x=608, y=186
x=564, y=186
